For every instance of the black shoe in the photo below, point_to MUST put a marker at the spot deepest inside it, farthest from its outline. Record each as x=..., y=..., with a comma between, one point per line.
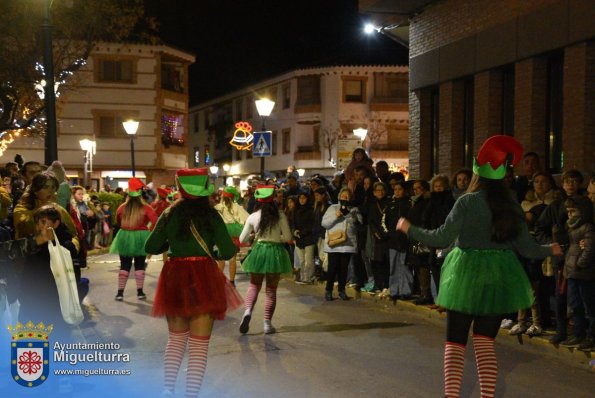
x=424, y=301
x=394, y=299
x=120, y=295
x=140, y=294
x=587, y=345
x=343, y=296
x=572, y=341
x=557, y=338
x=328, y=296
x=245, y=325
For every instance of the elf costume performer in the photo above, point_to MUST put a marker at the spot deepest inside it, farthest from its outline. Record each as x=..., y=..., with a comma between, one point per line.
x=481, y=278
x=268, y=258
x=161, y=203
x=191, y=292
x=135, y=218
x=234, y=216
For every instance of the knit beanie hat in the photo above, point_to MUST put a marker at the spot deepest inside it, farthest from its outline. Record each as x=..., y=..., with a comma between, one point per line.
x=58, y=170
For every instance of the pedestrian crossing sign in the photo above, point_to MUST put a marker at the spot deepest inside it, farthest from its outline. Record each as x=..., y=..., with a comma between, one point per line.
x=262, y=143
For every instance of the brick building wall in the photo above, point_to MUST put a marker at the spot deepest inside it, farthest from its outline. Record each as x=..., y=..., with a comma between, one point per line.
x=487, y=107
x=579, y=106
x=530, y=97
x=446, y=21
x=446, y=29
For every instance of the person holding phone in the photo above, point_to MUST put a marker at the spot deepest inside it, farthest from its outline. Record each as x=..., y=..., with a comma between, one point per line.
x=341, y=220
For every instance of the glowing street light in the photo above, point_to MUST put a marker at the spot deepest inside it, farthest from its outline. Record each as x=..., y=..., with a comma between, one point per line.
x=264, y=106
x=369, y=28
x=131, y=126
x=361, y=133
x=89, y=146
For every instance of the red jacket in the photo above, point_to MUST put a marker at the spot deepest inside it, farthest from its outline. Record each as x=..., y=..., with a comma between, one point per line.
x=148, y=217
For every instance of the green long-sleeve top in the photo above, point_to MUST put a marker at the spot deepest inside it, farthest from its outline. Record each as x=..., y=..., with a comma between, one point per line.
x=469, y=225
x=165, y=237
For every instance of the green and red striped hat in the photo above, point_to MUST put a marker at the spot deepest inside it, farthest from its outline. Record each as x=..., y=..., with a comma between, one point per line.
x=264, y=193
x=230, y=192
x=193, y=183
x=135, y=187
x=496, y=154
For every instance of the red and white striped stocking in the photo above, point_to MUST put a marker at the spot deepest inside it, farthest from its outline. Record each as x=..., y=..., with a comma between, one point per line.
x=174, y=353
x=122, y=279
x=270, y=302
x=198, y=347
x=487, y=365
x=454, y=363
x=140, y=278
x=251, y=297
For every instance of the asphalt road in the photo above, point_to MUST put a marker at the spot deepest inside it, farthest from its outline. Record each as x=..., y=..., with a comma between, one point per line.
x=356, y=348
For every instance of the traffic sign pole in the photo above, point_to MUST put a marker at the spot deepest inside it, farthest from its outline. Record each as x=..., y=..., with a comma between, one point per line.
x=262, y=147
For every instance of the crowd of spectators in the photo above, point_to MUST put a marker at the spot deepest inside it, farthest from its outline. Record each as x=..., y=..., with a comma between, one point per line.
x=360, y=207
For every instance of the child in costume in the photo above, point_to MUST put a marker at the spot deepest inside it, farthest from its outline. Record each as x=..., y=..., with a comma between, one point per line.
x=135, y=218
x=107, y=224
x=268, y=258
x=482, y=277
x=234, y=216
x=161, y=203
x=192, y=292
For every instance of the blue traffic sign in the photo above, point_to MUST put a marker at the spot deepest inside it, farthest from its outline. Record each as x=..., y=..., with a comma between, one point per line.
x=262, y=143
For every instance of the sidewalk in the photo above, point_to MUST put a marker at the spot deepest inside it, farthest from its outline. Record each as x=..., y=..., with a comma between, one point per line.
x=539, y=344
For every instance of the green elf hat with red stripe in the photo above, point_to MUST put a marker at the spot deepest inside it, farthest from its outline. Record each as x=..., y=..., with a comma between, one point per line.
x=163, y=192
x=264, y=193
x=193, y=183
x=230, y=192
x=495, y=155
x=135, y=187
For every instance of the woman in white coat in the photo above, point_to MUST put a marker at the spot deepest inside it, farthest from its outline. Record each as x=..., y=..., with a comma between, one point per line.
x=341, y=222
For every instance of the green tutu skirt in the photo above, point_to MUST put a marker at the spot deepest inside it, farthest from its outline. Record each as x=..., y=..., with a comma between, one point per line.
x=129, y=243
x=267, y=258
x=483, y=282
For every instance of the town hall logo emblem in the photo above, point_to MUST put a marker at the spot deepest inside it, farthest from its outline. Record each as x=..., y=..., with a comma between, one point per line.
x=30, y=353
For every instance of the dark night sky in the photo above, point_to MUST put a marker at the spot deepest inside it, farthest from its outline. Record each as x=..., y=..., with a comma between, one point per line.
x=238, y=42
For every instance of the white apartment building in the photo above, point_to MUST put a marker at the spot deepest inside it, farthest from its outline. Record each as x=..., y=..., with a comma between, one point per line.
x=313, y=108
x=148, y=83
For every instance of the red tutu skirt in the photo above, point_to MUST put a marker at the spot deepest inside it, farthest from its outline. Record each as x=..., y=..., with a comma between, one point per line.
x=236, y=241
x=191, y=286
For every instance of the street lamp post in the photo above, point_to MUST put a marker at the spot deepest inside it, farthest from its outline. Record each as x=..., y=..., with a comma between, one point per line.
x=226, y=168
x=89, y=147
x=51, y=139
x=131, y=126
x=214, y=169
x=264, y=106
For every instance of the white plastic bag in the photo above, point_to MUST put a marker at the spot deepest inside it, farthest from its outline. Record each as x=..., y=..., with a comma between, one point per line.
x=63, y=271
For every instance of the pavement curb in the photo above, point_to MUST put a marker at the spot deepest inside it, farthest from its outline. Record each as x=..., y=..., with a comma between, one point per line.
x=539, y=345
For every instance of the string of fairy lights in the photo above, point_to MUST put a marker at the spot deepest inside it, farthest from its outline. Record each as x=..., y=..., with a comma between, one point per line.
x=7, y=137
